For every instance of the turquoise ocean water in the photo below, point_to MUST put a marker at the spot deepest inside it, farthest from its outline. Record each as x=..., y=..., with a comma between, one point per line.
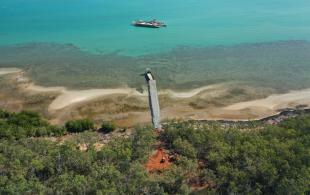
x=104, y=25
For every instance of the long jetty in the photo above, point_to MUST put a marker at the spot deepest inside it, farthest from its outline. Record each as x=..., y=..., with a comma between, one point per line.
x=153, y=99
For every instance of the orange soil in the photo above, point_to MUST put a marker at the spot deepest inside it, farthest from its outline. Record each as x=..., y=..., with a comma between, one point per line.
x=158, y=161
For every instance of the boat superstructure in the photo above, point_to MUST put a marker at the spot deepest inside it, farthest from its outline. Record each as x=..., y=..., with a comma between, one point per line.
x=149, y=24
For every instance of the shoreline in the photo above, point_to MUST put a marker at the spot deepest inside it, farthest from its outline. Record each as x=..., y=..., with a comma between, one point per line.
x=69, y=97
x=258, y=109
x=269, y=120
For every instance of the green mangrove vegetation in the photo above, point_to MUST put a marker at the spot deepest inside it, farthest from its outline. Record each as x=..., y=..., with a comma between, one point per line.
x=107, y=127
x=26, y=124
x=75, y=126
x=256, y=159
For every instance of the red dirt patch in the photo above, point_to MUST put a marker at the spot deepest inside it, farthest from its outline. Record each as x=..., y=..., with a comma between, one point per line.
x=158, y=161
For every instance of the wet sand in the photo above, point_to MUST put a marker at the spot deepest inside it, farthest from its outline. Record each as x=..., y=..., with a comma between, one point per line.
x=254, y=109
x=66, y=97
x=70, y=97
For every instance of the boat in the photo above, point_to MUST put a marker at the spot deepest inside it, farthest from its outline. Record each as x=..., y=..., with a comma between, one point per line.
x=149, y=24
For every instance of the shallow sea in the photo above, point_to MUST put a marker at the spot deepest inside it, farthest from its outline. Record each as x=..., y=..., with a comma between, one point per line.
x=104, y=25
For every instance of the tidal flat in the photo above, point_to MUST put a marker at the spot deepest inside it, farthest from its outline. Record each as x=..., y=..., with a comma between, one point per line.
x=128, y=107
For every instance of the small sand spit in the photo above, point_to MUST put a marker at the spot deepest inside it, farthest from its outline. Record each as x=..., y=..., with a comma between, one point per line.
x=4, y=71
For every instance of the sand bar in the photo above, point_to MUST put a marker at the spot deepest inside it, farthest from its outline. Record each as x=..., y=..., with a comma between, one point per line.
x=69, y=97
x=37, y=88
x=4, y=71
x=192, y=93
x=276, y=101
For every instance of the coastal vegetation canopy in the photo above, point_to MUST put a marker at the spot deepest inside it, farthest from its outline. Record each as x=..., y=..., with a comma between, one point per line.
x=209, y=158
